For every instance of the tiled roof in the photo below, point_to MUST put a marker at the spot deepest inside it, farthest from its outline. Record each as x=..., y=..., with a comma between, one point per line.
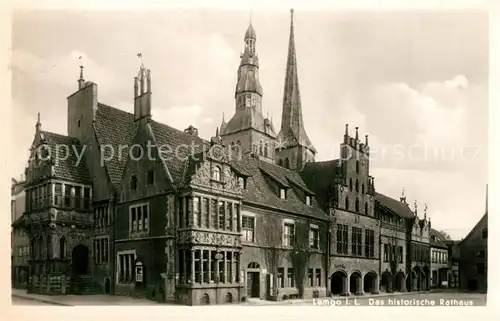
x=173, y=138
x=437, y=239
x=67, y=168
x=483, y=222
x=397, y=207
x=259, y=191
x=114, y=127
x=320, y=178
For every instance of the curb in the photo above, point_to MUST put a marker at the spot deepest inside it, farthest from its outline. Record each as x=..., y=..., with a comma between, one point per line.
x=25, y=297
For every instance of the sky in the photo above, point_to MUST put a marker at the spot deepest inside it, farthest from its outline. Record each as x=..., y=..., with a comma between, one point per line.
x=415, y=81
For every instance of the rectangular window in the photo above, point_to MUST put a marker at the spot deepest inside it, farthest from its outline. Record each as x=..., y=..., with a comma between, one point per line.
x=182, y=274
x=339, y=239
x=229, y=216
x=356, y=241
x=370, y=243
x=237, y=217
x=310, y=277
x=205, y=214
x=222, y=270
x=248, y=228
x=86, y=198
x=386, y=252
x=213, y=215
x=221, y=215
x=318, y=277
x=133, y=182
x=57, y=194
x=229, y=266
x=289, y=234
x=139, y=218
x=308, y=200
x=196, y=211
x=205, y=265
x=314, y=238
x=150, y=177
x=394, y=257
x=78, y=197
x=400, y=248
x=290, y=278
x=182, y=220
x=345, y=238
x=282, y=193
x=189, y=210
x=281, y=278
x=213, y=267
x=197, y=266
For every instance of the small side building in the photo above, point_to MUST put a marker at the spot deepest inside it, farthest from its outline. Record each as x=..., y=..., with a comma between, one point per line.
x=440, y=267
x=474, y=258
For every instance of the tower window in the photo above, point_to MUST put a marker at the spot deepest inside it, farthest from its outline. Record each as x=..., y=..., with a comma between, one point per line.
x=350, y=184
x=357, y=185
x=356, y=205
x=151, y=177
x=362, y=188
x=308, y=200
x=78, y=123
x=287, y=163
x=261, y=148
x=216, y=173
x=366, y=208
x=357, y=166
x=266, y=150
x=347, y=202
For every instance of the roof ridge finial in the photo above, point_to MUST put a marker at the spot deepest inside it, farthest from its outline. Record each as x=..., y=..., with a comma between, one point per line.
x=425, y=211
x=38, y=125
x=416, y=207
x=81, y=80
x=139, y=55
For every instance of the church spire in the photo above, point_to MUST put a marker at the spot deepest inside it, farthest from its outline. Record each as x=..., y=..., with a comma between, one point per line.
x=292, y=131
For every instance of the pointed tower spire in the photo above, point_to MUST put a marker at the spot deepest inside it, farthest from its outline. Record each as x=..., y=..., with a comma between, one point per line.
x=38, y=125
x=292, y=124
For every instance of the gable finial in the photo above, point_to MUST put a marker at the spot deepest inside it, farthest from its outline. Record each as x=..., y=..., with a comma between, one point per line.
x=416, y=207
x=81, y=80
x=425, y=211
x=139, y=55
x=38, y=123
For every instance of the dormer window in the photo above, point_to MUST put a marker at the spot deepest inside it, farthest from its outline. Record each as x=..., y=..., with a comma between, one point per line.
x=216, y=173
x=242, y=182
x=133, y=182
x=282, y=193
x=308, y=200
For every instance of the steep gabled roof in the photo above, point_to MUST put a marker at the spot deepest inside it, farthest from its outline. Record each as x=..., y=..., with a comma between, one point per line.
x=114, y=127
x=437, y=239
x=480, y=223
x=259, y=192
x=397, y=207
x=181, y=144
x=66, y=168
x=320, y=178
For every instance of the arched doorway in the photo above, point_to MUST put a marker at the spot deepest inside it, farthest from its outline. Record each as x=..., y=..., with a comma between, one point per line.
x=369, y=282
x=355, y=283
x=400, y=282
x=80, y=260
x=338, y=282
x=386, y=282
x=205, y=299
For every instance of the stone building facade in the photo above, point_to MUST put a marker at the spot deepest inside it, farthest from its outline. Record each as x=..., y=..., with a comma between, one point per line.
x=440, y=260
x=246, y=214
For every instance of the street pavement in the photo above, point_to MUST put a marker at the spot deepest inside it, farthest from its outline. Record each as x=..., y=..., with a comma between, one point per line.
x=22, y=301
x=445, y=298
